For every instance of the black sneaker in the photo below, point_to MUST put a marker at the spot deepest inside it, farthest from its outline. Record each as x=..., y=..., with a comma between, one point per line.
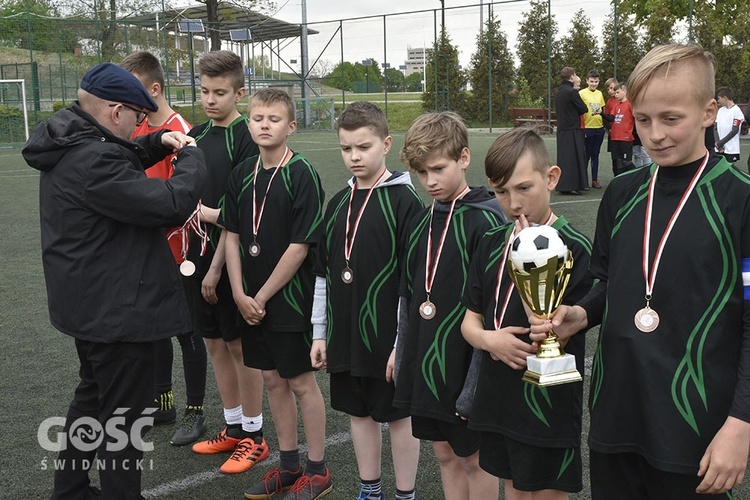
x=276, y=481
x=162, y=417
x=192, y=426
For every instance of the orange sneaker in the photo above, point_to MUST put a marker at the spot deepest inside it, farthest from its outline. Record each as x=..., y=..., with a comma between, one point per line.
x=217, y=444
x=245, y=456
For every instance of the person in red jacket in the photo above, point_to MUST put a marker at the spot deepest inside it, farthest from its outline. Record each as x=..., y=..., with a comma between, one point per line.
x=621, y=131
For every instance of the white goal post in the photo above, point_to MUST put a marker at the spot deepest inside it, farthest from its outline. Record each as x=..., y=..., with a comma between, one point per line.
x=13, y=95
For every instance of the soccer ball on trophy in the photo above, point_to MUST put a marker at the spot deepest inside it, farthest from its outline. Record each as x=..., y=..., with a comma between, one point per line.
x=535, y=245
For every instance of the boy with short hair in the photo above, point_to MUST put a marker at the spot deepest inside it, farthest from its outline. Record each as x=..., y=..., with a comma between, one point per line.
x=670, y=382
x=593, y=128
x=356, y=297
x=227, y=142
x=273, y=214
x=728, y=125
x=621, y=131
x=530, y=436
x=147, y=68
x=433, y=357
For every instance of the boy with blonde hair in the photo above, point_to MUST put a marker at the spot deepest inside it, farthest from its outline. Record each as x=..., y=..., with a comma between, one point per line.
x=356, y=299
x=530, y=436
x=272, y=215
x=670, y=417
x=432, y=356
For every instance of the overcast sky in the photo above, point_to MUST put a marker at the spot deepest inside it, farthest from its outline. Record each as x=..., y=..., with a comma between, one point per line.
x=364, y=38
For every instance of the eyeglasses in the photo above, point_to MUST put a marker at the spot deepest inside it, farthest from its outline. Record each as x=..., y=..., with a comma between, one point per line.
x=141, y=115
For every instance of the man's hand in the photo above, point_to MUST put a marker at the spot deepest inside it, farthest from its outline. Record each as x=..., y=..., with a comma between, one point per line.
x=725, y=460
x=318, y=356
x=176, y=140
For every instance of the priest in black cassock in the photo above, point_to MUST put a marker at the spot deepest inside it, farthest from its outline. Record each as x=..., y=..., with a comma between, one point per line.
x=571, y=149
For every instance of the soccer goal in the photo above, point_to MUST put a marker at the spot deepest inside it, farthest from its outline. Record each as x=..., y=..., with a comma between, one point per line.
x=14, y=117
x=314, y=113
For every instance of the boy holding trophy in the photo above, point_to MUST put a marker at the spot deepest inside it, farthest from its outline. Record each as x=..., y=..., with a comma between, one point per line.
x=531, y=435
x=670, y=390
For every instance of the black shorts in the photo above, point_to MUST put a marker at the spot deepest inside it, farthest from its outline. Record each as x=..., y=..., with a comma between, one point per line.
x=286, y=352
x=731, y=157
x=530, y=467
x=622, y=150
x=624, y=476
x=464, y=441
x=212, y=321
x=365, y=397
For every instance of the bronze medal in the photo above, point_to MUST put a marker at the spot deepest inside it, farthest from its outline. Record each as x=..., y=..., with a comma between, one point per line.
x=254, y=249
x=347, y=275
x=427, y=310
x=646, y=320
x=187, y=268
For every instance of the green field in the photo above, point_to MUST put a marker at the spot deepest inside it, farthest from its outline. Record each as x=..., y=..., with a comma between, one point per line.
x=40, y=365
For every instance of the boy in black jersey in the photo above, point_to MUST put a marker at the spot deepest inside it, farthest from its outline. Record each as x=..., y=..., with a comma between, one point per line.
x=273, y=214
x=356, y=299
x=530, y=436
x=670, y=390
x=432, y=356
x=226, y=141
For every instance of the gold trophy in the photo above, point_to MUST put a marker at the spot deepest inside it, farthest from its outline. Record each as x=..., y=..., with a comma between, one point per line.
x=540, y=265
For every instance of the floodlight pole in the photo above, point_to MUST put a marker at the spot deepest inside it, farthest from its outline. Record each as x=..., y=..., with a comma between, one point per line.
x=442, y=13
x=305, y=63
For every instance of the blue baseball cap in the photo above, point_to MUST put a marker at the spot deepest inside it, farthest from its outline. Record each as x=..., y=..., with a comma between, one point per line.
x=112, y=83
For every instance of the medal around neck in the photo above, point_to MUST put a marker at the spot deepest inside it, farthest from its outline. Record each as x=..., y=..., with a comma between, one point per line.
x=540, y=265
x=646, y=320
x=347, y=275
x=254, y=249
x=187, y=268
x=427, y=309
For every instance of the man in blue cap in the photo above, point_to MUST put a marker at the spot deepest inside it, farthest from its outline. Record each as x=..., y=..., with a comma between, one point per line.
x=112, y=283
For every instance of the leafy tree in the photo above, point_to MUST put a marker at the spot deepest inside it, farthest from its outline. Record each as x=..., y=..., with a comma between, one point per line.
x=414, y=82
x=531, y=49
x=629, y=48
x=492, y=63
x=660, y=24
x=579, y=48
x=46, y=34
x=723, y=29
x=445, y=82
x=395, y=79
x=343, y=76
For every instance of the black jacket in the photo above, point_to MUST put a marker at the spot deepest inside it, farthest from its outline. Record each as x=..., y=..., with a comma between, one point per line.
x=110, y=274
x=568, y=107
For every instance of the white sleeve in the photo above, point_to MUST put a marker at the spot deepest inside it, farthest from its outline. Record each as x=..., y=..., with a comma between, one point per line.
x=318, y=319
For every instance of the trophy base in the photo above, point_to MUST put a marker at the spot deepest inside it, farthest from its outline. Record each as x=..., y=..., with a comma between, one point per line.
x=551, y=371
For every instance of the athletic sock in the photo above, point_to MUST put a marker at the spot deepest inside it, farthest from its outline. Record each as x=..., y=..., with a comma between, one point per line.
x=406, y=495
x=289, y=460
x=194, y=409
x=233, y=416
x=373, y=488
x=252, y=427
x=164, y=400
x=314, y=467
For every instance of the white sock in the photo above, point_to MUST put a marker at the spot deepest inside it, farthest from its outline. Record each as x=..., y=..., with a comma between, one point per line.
x=233, y=416
x=252, y=424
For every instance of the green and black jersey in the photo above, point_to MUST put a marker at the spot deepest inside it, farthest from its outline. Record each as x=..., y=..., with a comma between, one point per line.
x=548, y=417
x=434, y=357
x=293, y=214
x=361, y=315
x=665, y=394
x=224, y=148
